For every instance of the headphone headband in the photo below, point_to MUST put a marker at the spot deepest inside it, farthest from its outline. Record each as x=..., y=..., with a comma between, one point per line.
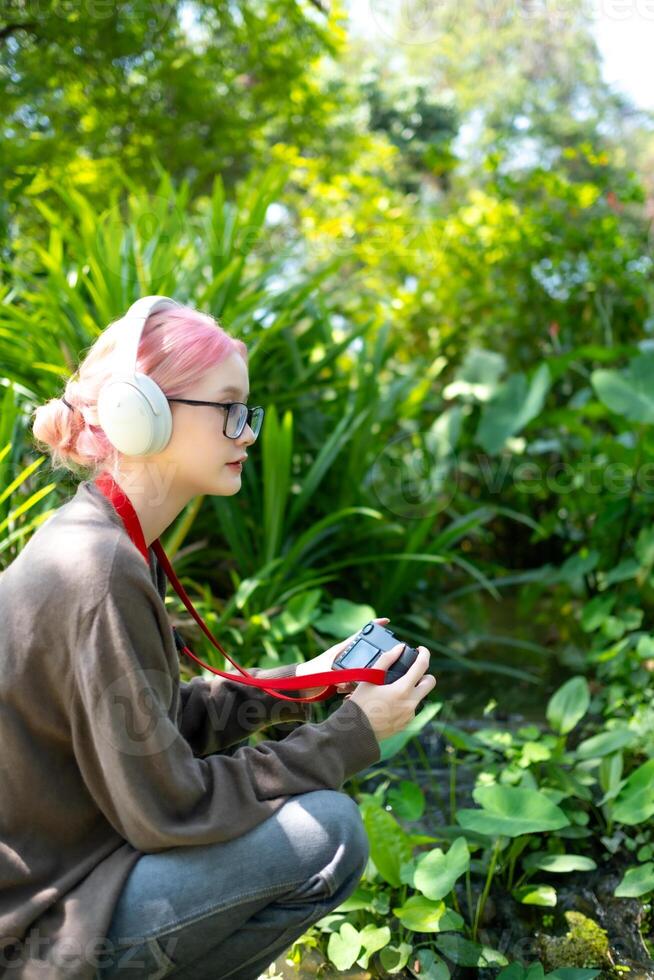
x=133, y=323
x=133, y=411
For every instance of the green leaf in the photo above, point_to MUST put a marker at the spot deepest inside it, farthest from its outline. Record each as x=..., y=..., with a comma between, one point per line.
x=361, y=898
x=395, y=958
x=515, y=403
x=459, y=738
x=297, y=614
x=516, y=971
x=420, y=914
x=373, y=938
x=626, y=569
x=465, y=953
x=644, y=547
x=436, y=872
x=629, y=393
x=478, y=375
x=605, y=743
x=535, y=894
x=637, y=881
x=558, y=863
x=389, y=844
x=395, y=743
x=344, y=618
x=595, y=612
x=431, y=966
x=568, y=705
x=344, y=946
x=510, y=811
x=635, y=801
x=407, y=800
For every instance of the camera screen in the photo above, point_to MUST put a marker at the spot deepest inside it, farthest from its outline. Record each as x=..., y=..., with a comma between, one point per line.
x=361, y=654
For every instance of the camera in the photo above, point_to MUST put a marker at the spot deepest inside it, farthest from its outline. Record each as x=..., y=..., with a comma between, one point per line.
x=369, y=643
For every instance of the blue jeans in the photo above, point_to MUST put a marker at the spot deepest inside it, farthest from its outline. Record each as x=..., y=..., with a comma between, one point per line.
x=221, y=910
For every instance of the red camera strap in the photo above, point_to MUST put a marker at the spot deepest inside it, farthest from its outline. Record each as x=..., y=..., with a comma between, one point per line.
x=125, y=510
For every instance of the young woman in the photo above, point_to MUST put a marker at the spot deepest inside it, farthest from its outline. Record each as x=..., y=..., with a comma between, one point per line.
x=130, y=844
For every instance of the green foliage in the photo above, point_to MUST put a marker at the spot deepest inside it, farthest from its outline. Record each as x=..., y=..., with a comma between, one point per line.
x=637, y=881
x=453, y=343
x=222, y=83
x=510, y=811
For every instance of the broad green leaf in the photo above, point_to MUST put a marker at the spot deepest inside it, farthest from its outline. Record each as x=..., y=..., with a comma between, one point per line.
x=373, y=938
x=436, y=872
x=344, y=618
x=430, y=966
x=465, y=953
x=478, y=375
x=595, y=612
x=559, y=863
x=389, y=843
x=344, y=946
x=644, y=547
x=629, y=393
x=635, y=801
x=510, y=811
x=636, y=881
x=515, y=403
x=576, y=566
x=609, y=775
x=604, y=743
x=535, y=894
x=395, y=743
x=395, y=958
x=420, y=914
x=407, y=800
x=459, y=738
x=296, y=615
x=533, y=752
x=626, y=569
x=568, y=705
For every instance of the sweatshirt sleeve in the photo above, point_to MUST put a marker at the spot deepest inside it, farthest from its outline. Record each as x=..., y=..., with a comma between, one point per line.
x=139, y=768
x=215, y=712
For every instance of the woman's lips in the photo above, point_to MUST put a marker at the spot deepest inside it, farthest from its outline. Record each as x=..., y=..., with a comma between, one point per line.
x=236, y=466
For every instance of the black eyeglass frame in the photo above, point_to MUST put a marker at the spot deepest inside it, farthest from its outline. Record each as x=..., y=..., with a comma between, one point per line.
x=227, y=405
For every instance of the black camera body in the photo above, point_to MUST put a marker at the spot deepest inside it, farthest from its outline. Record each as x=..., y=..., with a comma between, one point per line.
x=368, y=645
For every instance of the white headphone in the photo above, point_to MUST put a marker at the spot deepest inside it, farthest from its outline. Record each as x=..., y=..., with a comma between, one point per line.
x=132, y=409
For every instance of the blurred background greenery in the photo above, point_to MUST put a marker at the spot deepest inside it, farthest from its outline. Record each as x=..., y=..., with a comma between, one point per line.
x=435, y=236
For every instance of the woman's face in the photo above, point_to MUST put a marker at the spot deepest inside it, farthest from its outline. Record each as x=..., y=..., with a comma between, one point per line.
x=198, y=454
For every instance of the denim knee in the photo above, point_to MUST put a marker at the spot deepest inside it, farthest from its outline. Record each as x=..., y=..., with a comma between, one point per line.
x=340, y=817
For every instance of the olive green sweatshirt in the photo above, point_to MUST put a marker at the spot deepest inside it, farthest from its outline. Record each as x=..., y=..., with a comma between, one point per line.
x=105, y=755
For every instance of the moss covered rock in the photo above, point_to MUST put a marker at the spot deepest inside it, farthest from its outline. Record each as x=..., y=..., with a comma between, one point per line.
x=584, y=945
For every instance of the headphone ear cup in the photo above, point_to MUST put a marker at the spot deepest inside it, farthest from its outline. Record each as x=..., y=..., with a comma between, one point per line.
x=135, y=415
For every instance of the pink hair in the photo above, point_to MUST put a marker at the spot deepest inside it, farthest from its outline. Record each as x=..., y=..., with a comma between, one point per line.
x=177, y=347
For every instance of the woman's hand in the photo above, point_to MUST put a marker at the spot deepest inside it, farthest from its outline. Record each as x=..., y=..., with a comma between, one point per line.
x=325, y=660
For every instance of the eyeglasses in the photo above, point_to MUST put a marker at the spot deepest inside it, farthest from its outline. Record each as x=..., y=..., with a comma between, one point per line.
x=238, y=415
